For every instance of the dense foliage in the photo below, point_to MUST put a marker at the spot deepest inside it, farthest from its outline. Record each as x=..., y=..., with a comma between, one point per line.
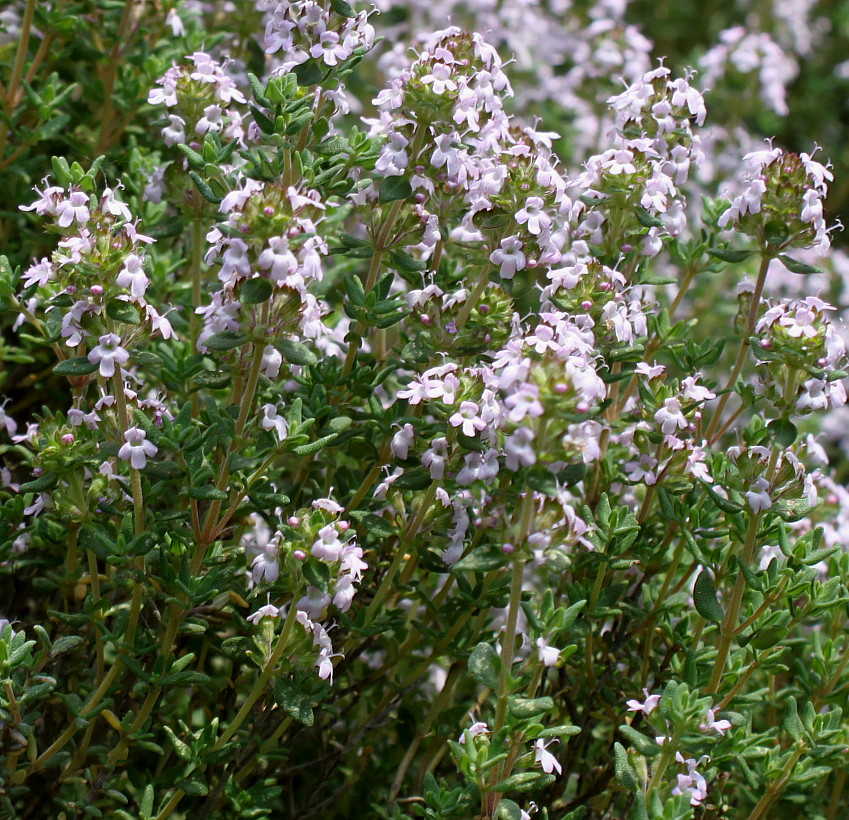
x=395, y=429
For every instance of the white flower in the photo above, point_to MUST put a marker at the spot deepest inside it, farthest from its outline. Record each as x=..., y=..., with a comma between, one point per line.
x=669, y=417
x=758, y=496
x=477, y=728
x=137, y=449
x=647, y=706
x=643, y=469
x=267, y=611
x=73, y=209
x=548, y=655
x=439, y=79
x=313, y=603
x=106, y=353
x=400, y=444
x=693, y=782
x=327, y=546
x=278, y=258
x=711, y=723
x=650, y=371
x=545, y=759
x=271, y=420
x=132, y=276
x=468, y=416
x=532, y=214
x=509, y=257
x=435, y=456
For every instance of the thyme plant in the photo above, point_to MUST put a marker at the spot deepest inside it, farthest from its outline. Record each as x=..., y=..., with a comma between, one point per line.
x=366, y=457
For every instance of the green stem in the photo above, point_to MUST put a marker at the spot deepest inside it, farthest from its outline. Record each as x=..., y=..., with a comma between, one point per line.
x=777, y=786
x=508, y=643
x=744, y=347
x=211, y=524
x=258, y=689
x=194, y=320
x=381, y=245
x=17, y=71
x=666, y=756
x=472, y=300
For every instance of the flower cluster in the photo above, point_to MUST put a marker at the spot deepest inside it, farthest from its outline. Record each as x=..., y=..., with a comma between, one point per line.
x=781, y=203
x=199, y=100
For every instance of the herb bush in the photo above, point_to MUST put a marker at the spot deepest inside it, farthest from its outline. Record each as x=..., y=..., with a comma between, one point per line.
x=371, y=450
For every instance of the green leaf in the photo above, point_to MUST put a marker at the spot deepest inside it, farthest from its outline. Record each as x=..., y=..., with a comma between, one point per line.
x=65, y=644
x=776, y=232
x=123, y=312
x=258, y=91
x=406, y=263
x=342, y=8
x=373, y=524
x=523, y=708
x=332, y=146
x=146, y=803
x=207, y=493
x=79, y=366
x=213, y=379
x=225, y=340
x=625, y=773
x=61, y=171
x=292, y=701
x=308, y=73
x=296, y=352
x=795, y=509
x=143, y=357
x=559, y=731
x=704, y=597
x=187, y=677
x=644, y=745
x=724, y=504
x=783, y=432
x=752, y=580
x=182, y=749
x=508, y=810
x=393, y=188
x=41, y=484
x=792, y=722
x=795, y=266
x=255, y=291
x=524, y=782
x=646, y=219
x=194, y=786
x=484, y=558
x=729, y=255
x=638, y=810
x=657, y=279
x=416, y=479
x=264, y=123
x=484, y=666
x=203, y=187
x=314, y=446
x=194, y=158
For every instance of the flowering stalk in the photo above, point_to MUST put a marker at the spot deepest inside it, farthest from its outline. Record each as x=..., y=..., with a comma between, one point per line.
x=743, y=350
x=381, y=245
